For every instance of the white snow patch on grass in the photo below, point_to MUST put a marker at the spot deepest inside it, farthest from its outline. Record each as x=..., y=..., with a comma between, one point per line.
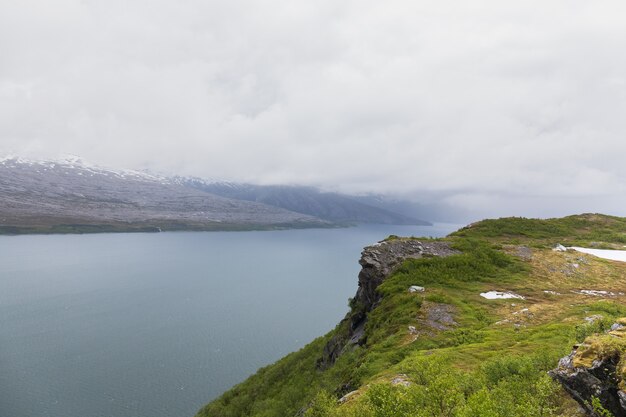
x=614, y=255
x=598, y=293
x=494, y=295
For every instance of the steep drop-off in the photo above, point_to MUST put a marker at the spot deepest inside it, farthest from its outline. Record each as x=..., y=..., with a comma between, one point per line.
x=469, y=325
x=377, y=262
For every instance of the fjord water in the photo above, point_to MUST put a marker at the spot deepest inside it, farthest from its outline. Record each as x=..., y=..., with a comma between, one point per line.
x=151, y=325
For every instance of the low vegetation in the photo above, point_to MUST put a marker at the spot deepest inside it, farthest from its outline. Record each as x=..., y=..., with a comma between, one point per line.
x=587, y=229
x=449, y=352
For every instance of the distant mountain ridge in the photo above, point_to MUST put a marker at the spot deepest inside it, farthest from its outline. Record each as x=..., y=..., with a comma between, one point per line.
x=70, y=196
x=333, y=207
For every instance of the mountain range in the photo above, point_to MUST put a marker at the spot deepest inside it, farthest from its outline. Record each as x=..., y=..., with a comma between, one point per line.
x=73, y=196
x=333, y=207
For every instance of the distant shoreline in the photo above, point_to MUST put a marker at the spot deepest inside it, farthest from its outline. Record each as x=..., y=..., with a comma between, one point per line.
x=78, y=228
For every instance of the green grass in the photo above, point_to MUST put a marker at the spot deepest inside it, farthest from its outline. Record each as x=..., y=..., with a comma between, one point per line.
x=491, y=362
x=584, y=229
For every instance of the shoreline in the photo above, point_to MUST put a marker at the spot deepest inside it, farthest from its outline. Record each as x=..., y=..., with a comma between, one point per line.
x=81, y=229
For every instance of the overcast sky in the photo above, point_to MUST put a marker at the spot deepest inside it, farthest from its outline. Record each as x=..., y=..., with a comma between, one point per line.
x=499, y=107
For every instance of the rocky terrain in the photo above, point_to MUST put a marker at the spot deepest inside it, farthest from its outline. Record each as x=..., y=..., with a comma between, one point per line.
x=477, y=324
x=595, y=371
x=377, y=262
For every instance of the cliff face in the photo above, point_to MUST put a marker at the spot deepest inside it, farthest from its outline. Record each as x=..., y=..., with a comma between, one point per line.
x=377, y=263
x=595, y=369
x=429, y=341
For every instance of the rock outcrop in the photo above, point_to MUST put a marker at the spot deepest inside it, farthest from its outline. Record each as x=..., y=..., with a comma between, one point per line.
x=596, y=370
x=377, y=263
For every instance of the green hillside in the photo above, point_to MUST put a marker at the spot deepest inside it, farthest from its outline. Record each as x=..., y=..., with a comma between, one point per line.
x=447, y=351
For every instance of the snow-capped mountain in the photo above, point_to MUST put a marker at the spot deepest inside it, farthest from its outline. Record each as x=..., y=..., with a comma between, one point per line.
x=70, y=195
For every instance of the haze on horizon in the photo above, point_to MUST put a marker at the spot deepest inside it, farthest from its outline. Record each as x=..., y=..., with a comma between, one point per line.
x=487, y=107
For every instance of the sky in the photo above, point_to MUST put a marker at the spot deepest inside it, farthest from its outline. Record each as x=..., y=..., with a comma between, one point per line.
x=498, y=108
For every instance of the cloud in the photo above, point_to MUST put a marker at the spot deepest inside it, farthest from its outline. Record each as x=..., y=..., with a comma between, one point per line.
x=485, y=102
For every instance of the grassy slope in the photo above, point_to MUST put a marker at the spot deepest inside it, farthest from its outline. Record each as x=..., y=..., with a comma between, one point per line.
x=586, y=229
x=492, y=363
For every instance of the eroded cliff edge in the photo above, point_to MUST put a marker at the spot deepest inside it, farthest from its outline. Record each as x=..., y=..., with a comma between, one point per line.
x=480, y=355
x=377, y=262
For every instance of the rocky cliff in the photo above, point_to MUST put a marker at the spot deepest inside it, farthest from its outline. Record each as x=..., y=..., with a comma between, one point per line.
x=593, y=374
x=377, y=262
x=464, y=326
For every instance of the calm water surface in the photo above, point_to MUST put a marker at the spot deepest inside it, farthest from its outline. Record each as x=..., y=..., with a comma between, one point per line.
x=152, y=325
